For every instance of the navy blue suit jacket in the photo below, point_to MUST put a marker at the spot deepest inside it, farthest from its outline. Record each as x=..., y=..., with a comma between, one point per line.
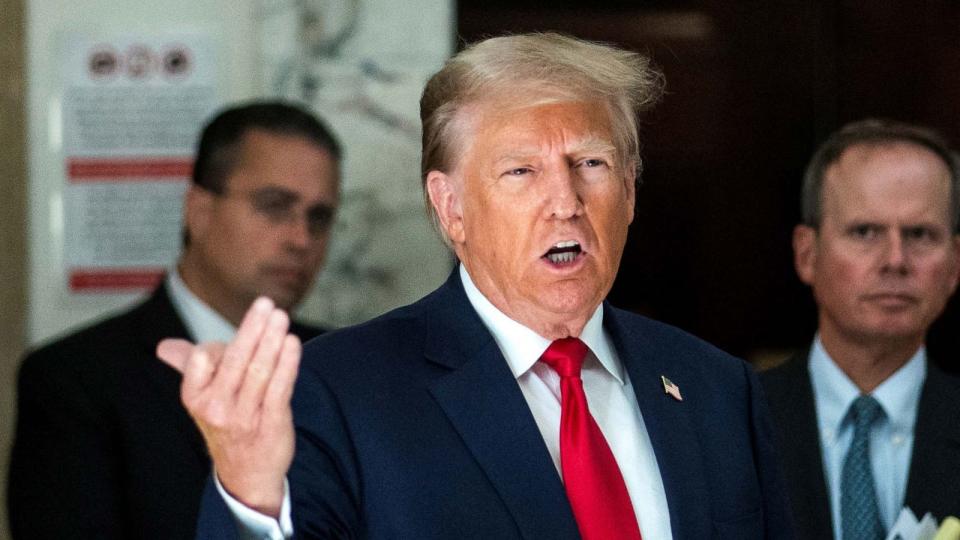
x=413, y=426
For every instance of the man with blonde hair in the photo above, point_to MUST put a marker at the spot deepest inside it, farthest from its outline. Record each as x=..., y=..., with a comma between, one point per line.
x=512, y=402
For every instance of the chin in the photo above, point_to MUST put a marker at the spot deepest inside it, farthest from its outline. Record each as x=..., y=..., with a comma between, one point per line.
x=282, y=298
x=897, y=331
x=571, y=303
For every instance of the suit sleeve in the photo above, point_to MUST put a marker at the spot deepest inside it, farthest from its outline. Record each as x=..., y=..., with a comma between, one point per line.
x=322, y=479
x=64, y=471
x=778, y=522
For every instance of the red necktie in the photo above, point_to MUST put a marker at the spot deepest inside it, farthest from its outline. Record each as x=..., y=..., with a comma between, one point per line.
x=595, y=488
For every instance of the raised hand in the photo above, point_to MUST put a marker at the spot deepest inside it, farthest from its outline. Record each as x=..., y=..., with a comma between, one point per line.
x=239, y=395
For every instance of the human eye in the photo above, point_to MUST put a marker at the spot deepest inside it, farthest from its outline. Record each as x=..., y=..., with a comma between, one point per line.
x=592, y=163
x=863, y=231
x=518, y=171
x=319, y=219
x=272, y=205
x=921, y=234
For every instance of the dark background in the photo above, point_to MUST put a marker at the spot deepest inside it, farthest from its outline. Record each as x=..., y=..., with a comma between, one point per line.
x=752, y=88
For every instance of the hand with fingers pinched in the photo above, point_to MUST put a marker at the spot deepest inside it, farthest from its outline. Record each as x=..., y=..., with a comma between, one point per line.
x=239, y=395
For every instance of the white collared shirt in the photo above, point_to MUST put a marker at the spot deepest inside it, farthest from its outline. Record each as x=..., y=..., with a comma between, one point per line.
x=202, y=322
x=891, y=437
x=610, y=396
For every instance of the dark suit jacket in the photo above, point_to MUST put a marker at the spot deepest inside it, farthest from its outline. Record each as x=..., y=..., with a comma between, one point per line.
x=103, y=447
x=412, y=426
x=933, y=483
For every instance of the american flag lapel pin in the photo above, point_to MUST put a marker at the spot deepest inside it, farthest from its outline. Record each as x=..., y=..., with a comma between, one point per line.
x=670, y=388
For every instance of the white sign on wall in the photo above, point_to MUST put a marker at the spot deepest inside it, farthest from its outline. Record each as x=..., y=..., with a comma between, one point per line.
x=132, y=106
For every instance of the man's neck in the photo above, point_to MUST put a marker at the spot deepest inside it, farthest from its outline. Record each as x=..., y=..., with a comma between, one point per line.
x=201, y=286
x=868, y=362
x=550, y=325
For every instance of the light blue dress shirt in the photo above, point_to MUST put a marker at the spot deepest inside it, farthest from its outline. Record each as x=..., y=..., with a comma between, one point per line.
x=891, y=439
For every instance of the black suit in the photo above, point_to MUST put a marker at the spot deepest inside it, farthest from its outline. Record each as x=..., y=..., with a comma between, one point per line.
x=104, y=448
x=933, y=483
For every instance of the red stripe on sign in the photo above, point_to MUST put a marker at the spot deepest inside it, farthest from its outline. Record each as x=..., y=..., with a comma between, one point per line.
x=92, y=280
x=89, y=169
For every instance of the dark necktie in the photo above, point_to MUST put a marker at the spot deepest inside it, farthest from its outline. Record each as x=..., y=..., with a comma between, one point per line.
x=859, y=513
x=591, y=477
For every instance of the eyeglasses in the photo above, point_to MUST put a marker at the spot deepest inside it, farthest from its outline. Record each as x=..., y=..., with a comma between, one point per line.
x=281, y=207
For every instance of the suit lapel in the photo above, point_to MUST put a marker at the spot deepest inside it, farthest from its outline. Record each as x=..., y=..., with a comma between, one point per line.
x=669, y=425
x=931, y=484
x=484, y=403
x=790, y=395
x=159, y=320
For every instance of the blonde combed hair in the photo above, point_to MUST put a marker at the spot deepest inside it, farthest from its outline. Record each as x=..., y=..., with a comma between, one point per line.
x=530, y=69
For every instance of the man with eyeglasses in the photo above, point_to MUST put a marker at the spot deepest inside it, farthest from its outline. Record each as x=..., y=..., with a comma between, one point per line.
x=103, y=447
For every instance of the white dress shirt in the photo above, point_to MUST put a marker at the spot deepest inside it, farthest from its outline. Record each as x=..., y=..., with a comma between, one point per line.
x=202, y=322
x=891, y=437
x=609, y=395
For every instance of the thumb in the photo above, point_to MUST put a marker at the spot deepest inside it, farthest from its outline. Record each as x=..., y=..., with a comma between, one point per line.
x=175, y=352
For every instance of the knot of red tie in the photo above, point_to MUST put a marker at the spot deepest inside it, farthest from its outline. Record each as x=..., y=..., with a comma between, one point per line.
x=595, y=488
x=566, y=356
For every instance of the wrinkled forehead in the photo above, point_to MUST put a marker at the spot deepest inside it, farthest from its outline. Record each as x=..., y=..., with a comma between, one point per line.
x=522, y=128
x=903, y=177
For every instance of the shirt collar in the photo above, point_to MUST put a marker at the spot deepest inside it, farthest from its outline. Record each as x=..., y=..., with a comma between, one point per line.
x=898, y=395
x=202, y=322
x=522, y=347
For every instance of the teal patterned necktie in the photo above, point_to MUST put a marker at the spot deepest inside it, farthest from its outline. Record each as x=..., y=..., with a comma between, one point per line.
x=859, y=513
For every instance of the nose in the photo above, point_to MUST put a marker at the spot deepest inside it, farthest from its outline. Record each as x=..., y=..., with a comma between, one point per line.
x=895, y=256
x=562, y=193
x=297, y=232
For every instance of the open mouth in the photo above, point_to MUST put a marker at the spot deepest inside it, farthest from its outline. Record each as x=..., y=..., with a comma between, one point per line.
x=563, y=252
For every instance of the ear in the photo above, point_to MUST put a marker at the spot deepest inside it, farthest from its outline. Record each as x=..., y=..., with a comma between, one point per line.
x=630, y=184
x=955, y=254
x=805, y=252
x=197, y=212
x=446, y=194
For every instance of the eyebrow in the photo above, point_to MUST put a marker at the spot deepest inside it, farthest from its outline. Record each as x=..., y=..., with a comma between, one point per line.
x=286, y=196
x=591, y=144
x=278, y=192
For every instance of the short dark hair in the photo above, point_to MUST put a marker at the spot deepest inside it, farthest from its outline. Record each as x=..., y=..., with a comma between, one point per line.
x=219, y=145
x=874, y=131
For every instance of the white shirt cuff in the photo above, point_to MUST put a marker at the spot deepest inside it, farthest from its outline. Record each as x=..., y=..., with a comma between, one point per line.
x=253, y=525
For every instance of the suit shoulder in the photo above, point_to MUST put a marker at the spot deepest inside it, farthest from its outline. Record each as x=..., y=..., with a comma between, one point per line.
x=89, y=336
x=785, y=375
x=105, y=339
x=394, y=331
x=669, y=339
x=306, y=331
